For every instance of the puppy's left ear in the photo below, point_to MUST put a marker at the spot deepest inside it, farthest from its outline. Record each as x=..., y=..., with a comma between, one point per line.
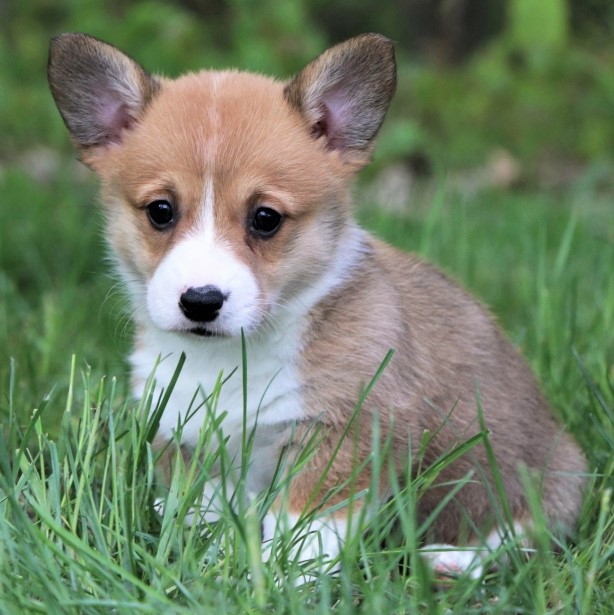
x=345, y=92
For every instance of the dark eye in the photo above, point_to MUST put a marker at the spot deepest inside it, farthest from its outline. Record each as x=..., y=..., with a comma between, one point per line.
x=266, y=222
x=161, y=214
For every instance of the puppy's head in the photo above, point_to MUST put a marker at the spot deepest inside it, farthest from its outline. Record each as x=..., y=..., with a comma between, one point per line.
x=225, y=193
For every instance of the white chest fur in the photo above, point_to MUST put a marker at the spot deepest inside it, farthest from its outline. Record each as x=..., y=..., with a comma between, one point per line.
x=273, y=387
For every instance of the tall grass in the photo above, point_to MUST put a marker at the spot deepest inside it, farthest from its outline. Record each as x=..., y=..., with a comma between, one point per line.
x=80, y=531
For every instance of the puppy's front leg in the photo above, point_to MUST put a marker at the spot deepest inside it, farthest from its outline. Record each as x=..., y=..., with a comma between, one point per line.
x=321, y=507
x=318, y=539
x=211, y=507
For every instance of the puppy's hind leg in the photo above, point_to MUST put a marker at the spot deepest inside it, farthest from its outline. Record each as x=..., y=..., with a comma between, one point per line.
x=450, y=561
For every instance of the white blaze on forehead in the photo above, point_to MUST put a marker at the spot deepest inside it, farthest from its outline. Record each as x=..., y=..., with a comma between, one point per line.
x=202, y=258
x=207, y=217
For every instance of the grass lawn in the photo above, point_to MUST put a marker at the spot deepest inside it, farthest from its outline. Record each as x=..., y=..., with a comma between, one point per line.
x=78, y=529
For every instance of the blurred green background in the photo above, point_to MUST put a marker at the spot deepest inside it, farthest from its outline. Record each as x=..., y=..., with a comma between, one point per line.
x=521, y=90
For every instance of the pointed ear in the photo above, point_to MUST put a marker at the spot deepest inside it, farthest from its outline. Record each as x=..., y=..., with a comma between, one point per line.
x=345, y=93
x=99, y=91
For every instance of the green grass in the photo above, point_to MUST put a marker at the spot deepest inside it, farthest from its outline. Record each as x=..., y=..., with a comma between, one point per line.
x=78, y=531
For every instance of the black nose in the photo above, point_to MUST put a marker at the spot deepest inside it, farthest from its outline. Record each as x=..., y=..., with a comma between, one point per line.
x=201, y=304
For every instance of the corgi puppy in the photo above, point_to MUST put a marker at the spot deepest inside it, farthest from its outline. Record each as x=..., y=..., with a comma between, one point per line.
x=228, y=211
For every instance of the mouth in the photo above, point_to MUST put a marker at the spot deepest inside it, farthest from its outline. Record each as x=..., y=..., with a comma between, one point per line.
x=202, y=332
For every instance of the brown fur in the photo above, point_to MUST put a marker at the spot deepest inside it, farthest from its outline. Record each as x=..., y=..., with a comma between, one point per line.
x=447, y=347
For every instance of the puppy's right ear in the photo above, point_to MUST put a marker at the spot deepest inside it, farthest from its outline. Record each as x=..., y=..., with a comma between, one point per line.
x=99, y=91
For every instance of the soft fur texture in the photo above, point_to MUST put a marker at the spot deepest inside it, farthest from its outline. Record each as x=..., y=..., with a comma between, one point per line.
x=320, y=301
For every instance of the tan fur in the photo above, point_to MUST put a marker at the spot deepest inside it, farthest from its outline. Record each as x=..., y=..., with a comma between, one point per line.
x=262, y=142
x=446, y=349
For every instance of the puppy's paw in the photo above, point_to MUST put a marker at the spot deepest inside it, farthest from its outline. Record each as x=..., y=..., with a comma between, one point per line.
x=447, y=561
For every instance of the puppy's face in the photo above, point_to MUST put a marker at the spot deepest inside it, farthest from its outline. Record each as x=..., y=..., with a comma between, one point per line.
x=225, y=193
x=219, y=203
